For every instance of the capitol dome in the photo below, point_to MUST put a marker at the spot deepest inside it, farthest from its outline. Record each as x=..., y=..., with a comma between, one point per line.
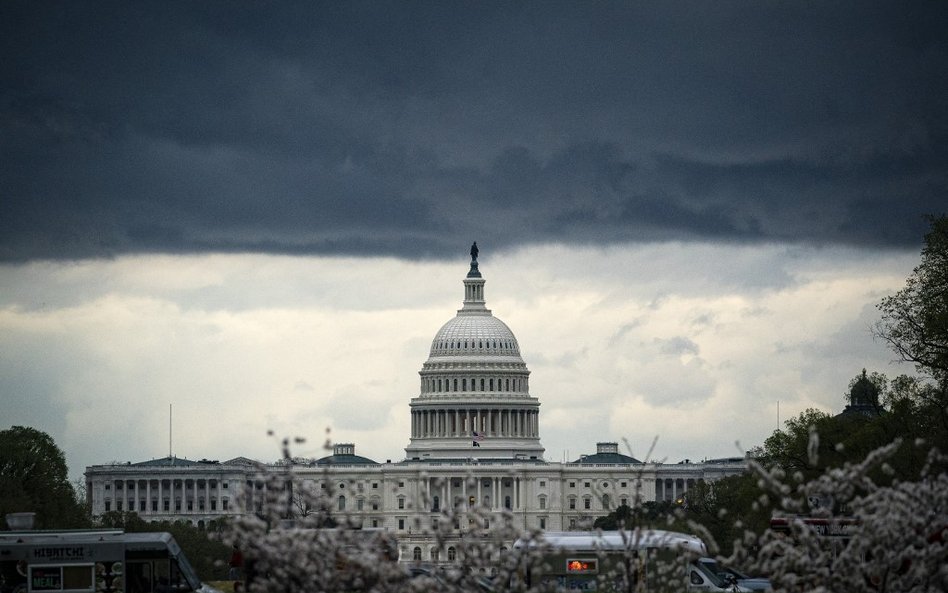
x=475, y=335
x=475, y=399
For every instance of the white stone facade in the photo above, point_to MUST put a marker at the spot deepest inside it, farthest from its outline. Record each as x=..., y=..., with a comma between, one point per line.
x=475, y=440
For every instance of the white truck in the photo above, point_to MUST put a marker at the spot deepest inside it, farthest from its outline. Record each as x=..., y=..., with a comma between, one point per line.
x=655, y=561
x=92, y=561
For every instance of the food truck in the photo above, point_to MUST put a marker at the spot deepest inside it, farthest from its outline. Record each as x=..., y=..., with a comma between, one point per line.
x=93, y=561
x=617, y=561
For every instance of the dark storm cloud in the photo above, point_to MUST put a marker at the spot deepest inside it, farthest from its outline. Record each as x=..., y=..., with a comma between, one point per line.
x=369, y=128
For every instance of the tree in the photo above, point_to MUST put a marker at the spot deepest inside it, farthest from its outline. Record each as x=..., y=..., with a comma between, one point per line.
x=34, y=478
x=915, y=319
x=727, y=508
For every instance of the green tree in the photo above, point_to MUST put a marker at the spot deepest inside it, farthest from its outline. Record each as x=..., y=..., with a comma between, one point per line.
x=915, y=319
x=126, y=520
x=34, y=478
x=726, y=508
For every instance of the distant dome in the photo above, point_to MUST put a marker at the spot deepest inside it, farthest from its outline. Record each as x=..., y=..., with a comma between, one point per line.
x=344, y=454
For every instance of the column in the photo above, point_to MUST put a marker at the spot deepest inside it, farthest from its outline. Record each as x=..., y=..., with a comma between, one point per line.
x=161, y=500
x=148, y=497
x=136, y=497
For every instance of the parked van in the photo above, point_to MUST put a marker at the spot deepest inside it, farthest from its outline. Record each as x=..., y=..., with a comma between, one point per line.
x=107, y=561
x=615, y=561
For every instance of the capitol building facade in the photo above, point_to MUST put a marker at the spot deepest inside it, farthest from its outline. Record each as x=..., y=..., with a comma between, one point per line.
x=474, y=442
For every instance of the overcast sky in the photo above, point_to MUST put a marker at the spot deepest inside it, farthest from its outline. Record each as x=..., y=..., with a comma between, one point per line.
x=261, y=212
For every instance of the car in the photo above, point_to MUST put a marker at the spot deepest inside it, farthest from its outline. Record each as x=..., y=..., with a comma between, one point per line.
x=731, y=575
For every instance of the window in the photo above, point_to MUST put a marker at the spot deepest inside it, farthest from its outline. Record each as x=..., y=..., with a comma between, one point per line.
x=624, y=484
x=401, y=524
x=108, y=486
x=154, y=506
x=507, y=502
x=606, y=501
x=375, y=522
x=213, y=504
x=542, y=522
x=542, y=483
x=585, y=484
x=435, y=503
x=587, y=503
x=624, y=501
x=401, y=502
x=360, y=503
x=226, y=485
x=141, y=505
x=342, y=503
x=375, y=485
x=416, y=554
x=224, y=504
x=452, y=554
x=572, y=503
x=434, y=554
x=572, y=523
x=401, y=484
x=108, y=505
x=168, y=504
x=118, y=505
x=542, y=502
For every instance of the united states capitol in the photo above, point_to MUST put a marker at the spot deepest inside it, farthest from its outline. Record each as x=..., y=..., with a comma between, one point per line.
x=475, y=440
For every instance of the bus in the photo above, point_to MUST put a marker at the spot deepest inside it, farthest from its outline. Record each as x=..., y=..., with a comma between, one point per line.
x=94, y=561
x=620, y=561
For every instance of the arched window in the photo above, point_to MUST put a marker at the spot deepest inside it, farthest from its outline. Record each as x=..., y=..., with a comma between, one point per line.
x=542, y=501
x=507, y=388
x=416, y=554
x=507, y=502
x=435, y=503
x=342, y=503
x=455, y=384
x=463, y=384
x=452, y=554
x=605, y=502
x=434, y=554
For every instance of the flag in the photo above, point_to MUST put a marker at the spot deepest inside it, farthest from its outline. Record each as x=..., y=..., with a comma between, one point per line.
x=477, y=438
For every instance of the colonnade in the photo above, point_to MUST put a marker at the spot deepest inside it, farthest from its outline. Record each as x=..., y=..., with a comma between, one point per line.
x=174, y=495
x=463, y=422
x=493, y=493
x=672, y=488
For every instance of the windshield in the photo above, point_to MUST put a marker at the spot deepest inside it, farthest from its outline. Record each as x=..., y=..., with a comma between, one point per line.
x=714, y=573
